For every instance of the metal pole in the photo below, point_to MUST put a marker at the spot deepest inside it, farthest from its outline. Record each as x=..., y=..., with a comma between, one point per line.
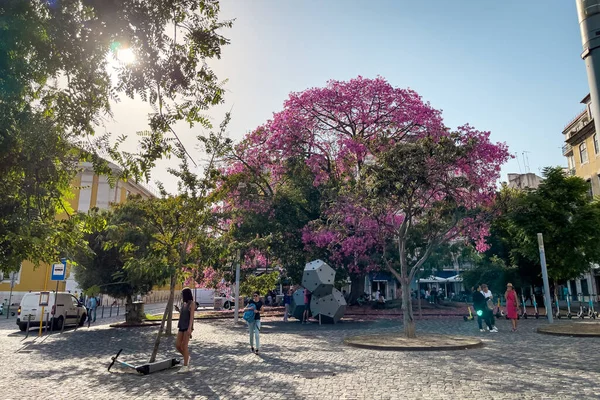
x=28, y=322
x=12, y=285
x=547, y=301
x=236, y=314
x=588, y=13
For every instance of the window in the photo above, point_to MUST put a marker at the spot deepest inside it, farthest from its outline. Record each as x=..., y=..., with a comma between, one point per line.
x=596, y=146
x=590, y=191
x=5, y=276
x=583, y=153
x=571, y=160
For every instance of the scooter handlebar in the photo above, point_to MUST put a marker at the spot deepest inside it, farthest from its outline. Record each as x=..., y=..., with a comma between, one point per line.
x=114, y=359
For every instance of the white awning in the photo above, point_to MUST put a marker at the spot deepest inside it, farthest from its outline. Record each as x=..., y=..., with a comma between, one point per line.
x=455, y=278
x=432, y=279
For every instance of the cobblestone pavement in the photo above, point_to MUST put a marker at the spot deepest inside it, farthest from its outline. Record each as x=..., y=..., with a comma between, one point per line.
x=301, y=362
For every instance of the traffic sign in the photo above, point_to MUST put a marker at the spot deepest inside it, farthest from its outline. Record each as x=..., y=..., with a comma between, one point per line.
x=59, y=271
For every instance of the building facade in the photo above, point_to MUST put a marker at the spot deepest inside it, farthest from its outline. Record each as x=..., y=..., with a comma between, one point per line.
x=582, y=151
x=524, y=181
x=90, y=190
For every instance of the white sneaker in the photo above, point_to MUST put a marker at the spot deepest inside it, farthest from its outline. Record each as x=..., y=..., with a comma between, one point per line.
x=184, y=370
x=494, y=329
x=481, y=330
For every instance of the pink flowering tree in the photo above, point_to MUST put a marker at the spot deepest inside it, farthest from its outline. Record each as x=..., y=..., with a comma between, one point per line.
x=416, y=196
x=385, y=170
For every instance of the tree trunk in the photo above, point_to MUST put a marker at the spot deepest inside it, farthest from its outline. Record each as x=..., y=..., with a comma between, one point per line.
x=169, y=330
x=160, y=331
x=357, y=287
x=407, y=311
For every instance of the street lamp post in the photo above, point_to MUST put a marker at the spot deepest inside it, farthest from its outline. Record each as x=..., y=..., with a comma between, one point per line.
x=588, y=12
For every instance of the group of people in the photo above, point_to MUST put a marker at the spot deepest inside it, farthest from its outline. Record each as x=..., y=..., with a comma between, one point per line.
x=483, y=303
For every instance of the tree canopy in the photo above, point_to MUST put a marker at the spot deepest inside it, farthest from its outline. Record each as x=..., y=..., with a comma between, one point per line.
x=61, y=68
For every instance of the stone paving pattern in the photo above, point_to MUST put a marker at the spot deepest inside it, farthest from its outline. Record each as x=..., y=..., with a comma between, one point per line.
x=301, y=362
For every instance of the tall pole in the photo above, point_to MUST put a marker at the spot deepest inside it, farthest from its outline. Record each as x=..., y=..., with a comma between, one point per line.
x=12, y=285
x=237, y=289
x=547, y=301
x=588, y=13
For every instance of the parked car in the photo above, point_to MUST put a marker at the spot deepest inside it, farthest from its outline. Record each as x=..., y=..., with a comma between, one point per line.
x=67, y=310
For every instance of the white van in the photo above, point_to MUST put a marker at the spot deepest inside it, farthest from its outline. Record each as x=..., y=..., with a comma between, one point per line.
x=66, y=305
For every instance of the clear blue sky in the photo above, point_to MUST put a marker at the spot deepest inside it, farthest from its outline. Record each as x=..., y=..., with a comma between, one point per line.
x=512, y=66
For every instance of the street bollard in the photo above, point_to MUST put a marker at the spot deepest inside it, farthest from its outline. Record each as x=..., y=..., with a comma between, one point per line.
x=117, y=310
x=62, y=327
x=102, y=315
x=28, y=322
x=46, y=327
x=110, y=313
x=89, y=317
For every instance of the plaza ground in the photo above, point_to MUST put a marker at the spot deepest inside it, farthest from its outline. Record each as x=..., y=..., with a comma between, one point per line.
x=300, y=362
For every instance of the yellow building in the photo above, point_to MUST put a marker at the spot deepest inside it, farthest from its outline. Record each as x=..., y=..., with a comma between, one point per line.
x=90, y=190
x=582, y=150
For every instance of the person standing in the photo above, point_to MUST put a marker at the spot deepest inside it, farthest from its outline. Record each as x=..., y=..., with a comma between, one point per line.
x=287, y=301
x=489, y=310
x=92, y=306
x=186, y=326
x=307, y=298
x=512, y=306
x=479, y=305
x=254, y=325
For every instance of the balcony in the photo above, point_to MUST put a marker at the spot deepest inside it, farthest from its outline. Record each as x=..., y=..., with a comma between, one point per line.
x=566, y=149
x=572, y=172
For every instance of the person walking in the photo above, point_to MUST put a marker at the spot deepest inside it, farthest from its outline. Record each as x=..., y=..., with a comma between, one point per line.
x=480, y=306
x=489, y=310
x=92, y=306
x=254, y=325
x=512, y=307
x=185, y=326
x=287, y=301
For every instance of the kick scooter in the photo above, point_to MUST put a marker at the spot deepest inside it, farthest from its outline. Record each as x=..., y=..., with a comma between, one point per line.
x=580, y=314
x=569, y=315
x=469, y=317
x=591, y=312
x=145, y=368
x=524, y=315
x=557, y=314
x=499, y=312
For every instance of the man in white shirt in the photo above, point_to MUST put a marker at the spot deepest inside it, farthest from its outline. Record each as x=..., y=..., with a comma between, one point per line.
x=489, y=312
x=376, y=295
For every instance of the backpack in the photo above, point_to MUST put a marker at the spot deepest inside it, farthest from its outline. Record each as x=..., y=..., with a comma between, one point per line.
x=249, y=314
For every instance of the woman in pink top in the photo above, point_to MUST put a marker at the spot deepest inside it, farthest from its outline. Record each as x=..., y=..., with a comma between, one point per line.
x=511, y=305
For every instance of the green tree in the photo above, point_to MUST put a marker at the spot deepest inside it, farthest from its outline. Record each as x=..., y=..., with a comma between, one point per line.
x=561, y=209
x=56, y=88
x=259, y=283
x=103, y=268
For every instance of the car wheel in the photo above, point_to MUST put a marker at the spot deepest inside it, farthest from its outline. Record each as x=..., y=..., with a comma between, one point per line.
x=59, y=323
x=82, y=320
x=227, y=305
x=22, y=327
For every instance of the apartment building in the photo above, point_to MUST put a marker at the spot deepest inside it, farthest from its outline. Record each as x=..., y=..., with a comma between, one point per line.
x=582, y=150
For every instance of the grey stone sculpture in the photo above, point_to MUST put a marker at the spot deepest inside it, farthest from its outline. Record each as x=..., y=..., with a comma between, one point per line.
x=330, y=307
x=319, y=278
x=297, y=306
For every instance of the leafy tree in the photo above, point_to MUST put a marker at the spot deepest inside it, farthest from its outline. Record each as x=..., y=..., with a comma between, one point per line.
x=103, y=269
x=561, y=209
x=259, y=283
x=56, y=88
